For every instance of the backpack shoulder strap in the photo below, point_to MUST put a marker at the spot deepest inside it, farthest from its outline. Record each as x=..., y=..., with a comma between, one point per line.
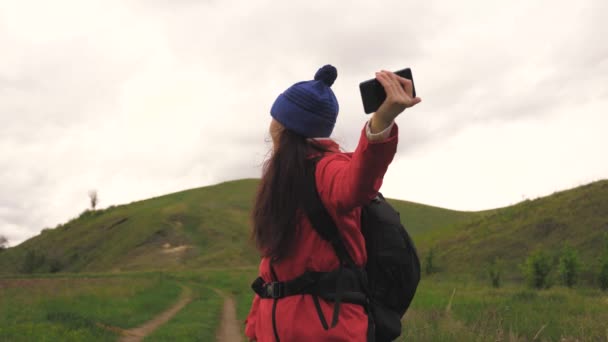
x=319, y=217
x=322, y=222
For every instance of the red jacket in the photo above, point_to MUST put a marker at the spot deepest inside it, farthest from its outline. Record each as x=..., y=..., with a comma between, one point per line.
x=345, y=182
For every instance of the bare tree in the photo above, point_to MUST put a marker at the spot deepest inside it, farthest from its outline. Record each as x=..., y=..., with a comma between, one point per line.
x=94, y=199
x=3, y=242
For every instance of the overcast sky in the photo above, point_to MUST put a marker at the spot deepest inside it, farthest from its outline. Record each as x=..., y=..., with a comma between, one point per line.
x=143, y=98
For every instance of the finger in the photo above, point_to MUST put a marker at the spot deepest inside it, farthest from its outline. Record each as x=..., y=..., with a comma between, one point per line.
x=415, y=101
x=384, y=81
x=407, y=85
x=401, y=88
x=393, y=85
x=395, y=80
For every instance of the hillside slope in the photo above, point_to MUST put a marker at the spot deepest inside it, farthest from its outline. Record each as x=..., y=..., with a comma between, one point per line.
x=577, y=217
x=209, y=227
x=204, y=227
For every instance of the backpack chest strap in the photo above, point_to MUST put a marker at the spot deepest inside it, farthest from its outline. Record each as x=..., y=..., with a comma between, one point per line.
x=304, y=284
x=322, y=284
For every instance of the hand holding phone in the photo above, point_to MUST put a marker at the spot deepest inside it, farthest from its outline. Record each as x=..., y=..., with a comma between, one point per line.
x=398, y=95
x=400, y=86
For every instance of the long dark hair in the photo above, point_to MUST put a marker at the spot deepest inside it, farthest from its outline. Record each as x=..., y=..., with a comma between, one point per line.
x=280, y=193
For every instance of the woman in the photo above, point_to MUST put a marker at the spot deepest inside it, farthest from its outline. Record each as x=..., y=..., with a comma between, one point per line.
x=303, y=118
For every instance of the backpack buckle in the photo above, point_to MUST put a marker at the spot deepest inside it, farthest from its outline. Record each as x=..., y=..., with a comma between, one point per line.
x=275, y=290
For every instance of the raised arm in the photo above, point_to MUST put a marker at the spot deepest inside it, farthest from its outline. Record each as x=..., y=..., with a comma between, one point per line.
x=351, y=182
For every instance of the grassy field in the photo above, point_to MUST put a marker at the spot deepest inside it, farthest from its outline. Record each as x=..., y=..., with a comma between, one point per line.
x=448, y=310
x=91, y=307
x=70, y=308
x=139, y=256
x=75, y=308
x=198, y=321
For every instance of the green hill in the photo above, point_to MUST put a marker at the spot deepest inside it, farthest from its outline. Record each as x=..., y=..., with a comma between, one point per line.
x=577, y=217
x=427, y=223
x=204, y=227
x=209, y=227
x=198, y=227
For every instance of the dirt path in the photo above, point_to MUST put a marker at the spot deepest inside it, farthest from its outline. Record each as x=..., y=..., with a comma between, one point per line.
x=137, y=334
x=229, y=330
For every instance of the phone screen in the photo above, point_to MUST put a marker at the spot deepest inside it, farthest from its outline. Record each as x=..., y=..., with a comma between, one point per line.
x=372, y=92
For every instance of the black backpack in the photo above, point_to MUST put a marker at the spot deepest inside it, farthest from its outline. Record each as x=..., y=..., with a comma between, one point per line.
x=393, y=268
x=385, y=287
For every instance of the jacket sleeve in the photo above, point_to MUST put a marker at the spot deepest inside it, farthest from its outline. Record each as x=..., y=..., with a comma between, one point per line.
x=251, y=319
x=348, y=182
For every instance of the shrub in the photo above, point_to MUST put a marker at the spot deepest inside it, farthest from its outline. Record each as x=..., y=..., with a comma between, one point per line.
x=603, y=275
x=55, y=266
x=569, y=266
x=32, y=262
x=495, y=271
x=536, y=269
x=429, y=264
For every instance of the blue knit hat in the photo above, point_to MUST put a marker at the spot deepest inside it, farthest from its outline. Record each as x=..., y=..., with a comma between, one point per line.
x=309, y=108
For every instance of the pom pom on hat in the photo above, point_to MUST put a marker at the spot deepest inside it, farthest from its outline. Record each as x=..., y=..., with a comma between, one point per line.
x=327, y=74
x=309, y=108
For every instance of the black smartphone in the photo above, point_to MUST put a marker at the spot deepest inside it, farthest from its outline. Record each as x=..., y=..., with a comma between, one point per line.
x=372, y=92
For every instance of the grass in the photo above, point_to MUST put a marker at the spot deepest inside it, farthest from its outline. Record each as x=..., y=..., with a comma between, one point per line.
x=425, y=223
x=211, y=223
x=233, y=282
x=480, y=313
x=444, y=308
x=72, y=308
x=198, y=321
x=108, y=264
x=578, y=217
